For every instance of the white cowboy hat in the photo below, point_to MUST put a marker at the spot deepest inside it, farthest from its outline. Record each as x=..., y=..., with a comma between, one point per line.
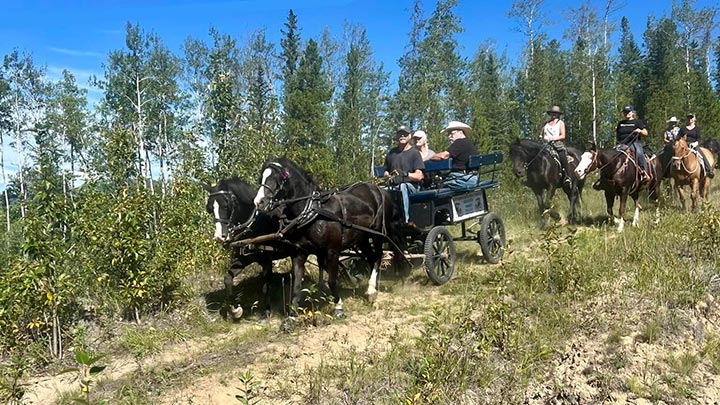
x=420, y=134
x=554, y=110
x=458, y=125
x=673, y=119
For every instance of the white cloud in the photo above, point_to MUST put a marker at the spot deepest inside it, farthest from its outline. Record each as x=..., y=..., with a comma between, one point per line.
x=74, y=52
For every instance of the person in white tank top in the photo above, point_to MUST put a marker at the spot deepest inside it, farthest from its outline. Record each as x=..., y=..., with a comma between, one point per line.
x=553, y=132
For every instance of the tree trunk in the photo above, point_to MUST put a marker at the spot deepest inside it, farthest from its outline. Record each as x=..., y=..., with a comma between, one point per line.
x=4, y=180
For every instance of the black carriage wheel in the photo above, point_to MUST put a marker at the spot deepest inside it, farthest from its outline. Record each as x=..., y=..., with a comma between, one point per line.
x=439, y=255
x=492, y=237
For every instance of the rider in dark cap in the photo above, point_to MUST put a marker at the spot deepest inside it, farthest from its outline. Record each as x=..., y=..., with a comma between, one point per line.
x=629, y=131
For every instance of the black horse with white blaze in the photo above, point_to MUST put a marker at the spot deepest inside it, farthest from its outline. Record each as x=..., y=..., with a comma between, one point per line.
x=542, y=170
x=325, y=223
x=231, y=204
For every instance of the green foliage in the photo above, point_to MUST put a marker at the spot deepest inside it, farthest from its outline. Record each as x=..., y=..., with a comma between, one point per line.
x=86, y=373
x=249, y=389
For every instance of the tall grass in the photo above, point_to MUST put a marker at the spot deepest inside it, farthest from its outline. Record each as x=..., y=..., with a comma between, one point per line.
x=508, y=324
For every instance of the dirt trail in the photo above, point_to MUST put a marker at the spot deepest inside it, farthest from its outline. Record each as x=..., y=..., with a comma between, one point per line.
x=280, y=366
x=276, y=365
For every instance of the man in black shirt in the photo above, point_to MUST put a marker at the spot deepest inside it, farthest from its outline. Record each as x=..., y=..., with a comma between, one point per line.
x=460, y=150
x=628, y=133
x=404, y=166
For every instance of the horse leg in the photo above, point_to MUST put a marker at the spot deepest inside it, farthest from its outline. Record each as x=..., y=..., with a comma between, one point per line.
x=267, y=281
x=373, y=254
x=540, y=201
x=638, y=207
x=235, y=311
x=298, y=264
x=333, y=260
x=706, y=188
x=694, y=193
x=621, y=212
x=609, y=202
x=681, y=195
x=573, y=196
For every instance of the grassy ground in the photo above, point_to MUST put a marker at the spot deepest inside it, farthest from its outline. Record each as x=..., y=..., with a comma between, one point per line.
x=573, y=314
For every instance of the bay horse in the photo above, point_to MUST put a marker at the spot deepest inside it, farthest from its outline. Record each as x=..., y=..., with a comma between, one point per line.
x=230, y=202
x=620, y=177
x=325, y=223
x=687, y=170
x=533, y=160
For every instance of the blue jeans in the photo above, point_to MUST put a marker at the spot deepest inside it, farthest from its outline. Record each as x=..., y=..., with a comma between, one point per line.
x=406, y=189
x=637, y=149
x=459, y=180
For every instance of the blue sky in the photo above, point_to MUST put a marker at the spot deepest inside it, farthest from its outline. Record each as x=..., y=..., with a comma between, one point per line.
x=78, y=34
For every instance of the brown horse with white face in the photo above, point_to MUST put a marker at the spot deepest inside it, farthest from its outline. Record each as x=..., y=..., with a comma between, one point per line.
x=687, y=170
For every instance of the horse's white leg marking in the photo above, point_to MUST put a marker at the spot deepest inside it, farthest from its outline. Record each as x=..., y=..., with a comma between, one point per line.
x=338, y=306
x=372, y=284
x=261, y=192
x=237, y=312
x=636, y=217
x=218, y=225
x=622, y=225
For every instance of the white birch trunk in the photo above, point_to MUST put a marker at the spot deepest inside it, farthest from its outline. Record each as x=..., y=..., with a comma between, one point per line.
x=4, y=180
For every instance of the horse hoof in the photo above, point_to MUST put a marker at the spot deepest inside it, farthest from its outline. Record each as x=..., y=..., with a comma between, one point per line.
x=372, y=297
x=339, y=314
x=236, y=312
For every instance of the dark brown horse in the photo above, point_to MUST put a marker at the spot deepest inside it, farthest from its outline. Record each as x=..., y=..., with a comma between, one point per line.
x=325, y=223
x=533, y=160
x=620, y=177
x=230, y=202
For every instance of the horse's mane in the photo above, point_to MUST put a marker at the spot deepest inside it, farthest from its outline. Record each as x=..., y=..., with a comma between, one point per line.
x=244, y=191
x=289, y=164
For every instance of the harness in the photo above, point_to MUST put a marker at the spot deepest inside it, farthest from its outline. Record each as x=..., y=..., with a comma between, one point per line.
x=232, y=202
x=313, y=210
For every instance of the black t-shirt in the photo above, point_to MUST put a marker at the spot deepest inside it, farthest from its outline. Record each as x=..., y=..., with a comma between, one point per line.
x=460, y=151
x=406, y=161
x=625, y=128
x=693, y=135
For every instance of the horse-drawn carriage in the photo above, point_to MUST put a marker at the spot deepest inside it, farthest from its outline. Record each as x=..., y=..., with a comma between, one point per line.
x=436, y=207
x=291, y=216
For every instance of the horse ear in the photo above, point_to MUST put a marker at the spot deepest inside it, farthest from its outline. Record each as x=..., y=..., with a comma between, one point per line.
x=591, y=146
x=206, y=186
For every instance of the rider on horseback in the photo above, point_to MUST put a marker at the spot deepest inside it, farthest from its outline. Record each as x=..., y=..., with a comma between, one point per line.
x=554, y=134
x=628, y=133
x=692, y=136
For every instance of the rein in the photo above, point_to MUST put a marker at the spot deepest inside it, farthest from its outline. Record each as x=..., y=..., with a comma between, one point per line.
x=542, y=149
x=682, y=162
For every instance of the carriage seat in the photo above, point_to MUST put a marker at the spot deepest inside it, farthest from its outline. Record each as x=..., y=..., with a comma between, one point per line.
x=480, y=165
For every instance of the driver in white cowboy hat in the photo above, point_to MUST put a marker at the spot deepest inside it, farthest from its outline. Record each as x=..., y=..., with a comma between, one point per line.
x=460, y=150
x=672, y=130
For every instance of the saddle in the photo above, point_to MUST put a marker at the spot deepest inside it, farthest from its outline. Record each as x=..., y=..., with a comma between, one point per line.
x=631, y=157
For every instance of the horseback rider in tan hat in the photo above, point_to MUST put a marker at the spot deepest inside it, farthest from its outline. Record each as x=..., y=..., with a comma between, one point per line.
x=672, y=130
x=460, y=150
x=553, y=133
